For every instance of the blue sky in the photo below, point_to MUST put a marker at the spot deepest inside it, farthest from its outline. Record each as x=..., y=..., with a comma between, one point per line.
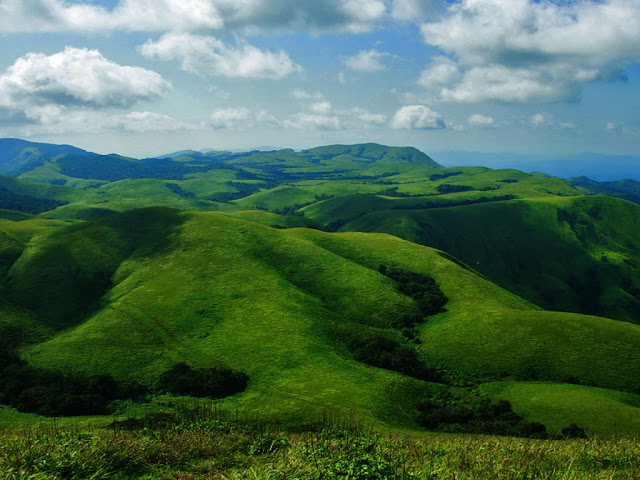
x=144, y=77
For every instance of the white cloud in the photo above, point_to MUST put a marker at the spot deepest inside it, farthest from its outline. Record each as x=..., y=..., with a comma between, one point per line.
x=322, y=108
x=208, y=56
x=368, y=117
x=230, y=117
x=304, y=95
x=538, y=119
x=568, y=125
x=54, y=119
x=442, y=71
x=503, y=84
x=147, y=122
x=191, y=15
x=418, y=117
x=37, y=87
x=306, y=121
x=525, y=50
x=366, y=61
x=479, y=120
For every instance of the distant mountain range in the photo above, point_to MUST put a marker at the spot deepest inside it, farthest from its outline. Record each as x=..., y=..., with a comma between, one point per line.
x=600, y=167
x=626, y=188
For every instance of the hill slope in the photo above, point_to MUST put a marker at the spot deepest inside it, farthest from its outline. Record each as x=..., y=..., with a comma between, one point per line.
x=162, y=286
x=17, y=155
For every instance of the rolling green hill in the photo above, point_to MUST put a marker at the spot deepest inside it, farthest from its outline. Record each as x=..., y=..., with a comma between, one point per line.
x=282, y=265
x=626, y=189
x=575, y=254
x=17, y=155
x=133, y=293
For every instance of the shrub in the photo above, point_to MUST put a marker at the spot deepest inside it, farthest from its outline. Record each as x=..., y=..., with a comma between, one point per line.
x=380, y=351
x=573, y=431
x=53, y=393
x=216, y=382
x=450, y=413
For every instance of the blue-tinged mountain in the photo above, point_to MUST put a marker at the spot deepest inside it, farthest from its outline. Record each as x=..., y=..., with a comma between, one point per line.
x=18, y=156
x=626, y=188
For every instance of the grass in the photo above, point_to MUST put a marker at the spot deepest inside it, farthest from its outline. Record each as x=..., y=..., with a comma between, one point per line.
x=603, y=413
x=198, y=448
x=281, y=305
x=563, y=253
x=133, y=293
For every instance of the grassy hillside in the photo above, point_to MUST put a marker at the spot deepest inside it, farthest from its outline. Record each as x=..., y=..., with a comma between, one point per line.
x=626, y=189
x=133, y=293
x=565, y=253
x=17, y=155
x=603, y=412
x=219, y=273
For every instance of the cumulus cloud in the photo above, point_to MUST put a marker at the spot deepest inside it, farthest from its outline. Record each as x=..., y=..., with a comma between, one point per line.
x=61, y=120
x=366, y=61
x=479, y=120
x=38, y=87
x=240, y=118
x=208, y=56
x=322, y=108
x=417, y=117
x=526, y=50
x=442, y=71
x=192, y=15
x=369, y=117
x=229, y=117
x=504, y=84
x=147, y=122
x=310, y=121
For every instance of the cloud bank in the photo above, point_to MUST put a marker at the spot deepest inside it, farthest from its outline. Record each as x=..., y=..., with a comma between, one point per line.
x=37, y=87
x=208, y=56
x=525, y=51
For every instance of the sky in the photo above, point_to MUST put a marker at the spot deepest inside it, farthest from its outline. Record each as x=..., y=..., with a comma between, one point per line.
x=146, y=77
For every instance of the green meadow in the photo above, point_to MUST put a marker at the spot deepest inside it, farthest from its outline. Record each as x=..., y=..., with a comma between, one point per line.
x=356, y=282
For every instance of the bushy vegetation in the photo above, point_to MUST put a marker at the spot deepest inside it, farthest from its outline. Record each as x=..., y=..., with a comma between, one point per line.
x=215, y=382
x=380, y=351
x=54, y=393
x=447, y=188
x=205, y=444
x=451, y=413
x=421, y=288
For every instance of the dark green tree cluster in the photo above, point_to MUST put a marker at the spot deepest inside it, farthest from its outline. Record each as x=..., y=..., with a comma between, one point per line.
x=455, y=203
x=382, y=352
x=447, y=188
x=450, y=413
x=216, y=382
x=422, y=288
x=442, y=176
x=53, y=393
x=178, y=190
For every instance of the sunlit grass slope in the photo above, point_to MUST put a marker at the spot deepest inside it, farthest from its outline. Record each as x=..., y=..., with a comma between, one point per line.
x=281, y=305
x=566, y=253
x=601, y=412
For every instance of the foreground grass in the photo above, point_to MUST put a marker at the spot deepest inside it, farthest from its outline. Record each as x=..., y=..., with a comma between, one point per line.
x=199, y=447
